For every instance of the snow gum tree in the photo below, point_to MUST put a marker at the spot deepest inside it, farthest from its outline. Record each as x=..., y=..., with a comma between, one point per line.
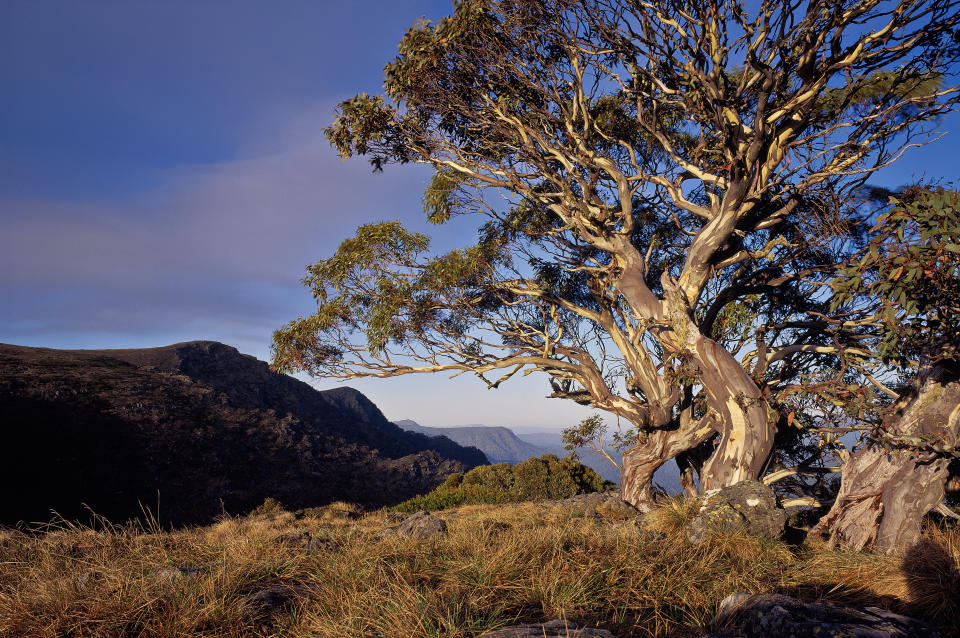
x=661, y=188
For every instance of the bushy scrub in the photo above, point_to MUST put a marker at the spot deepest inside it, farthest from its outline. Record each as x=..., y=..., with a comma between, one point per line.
x=535, y=479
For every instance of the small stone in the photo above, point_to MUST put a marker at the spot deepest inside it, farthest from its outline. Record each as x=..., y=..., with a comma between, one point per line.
x=420, y=526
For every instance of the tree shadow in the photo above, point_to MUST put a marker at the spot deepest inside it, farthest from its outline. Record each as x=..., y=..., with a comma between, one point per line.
x=933, y=582
x=842, y=595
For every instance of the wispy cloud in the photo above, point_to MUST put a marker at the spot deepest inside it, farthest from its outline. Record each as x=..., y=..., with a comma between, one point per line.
x=213, y=242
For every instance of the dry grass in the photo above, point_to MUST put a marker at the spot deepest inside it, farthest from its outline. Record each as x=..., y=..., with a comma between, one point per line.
x=498, y=565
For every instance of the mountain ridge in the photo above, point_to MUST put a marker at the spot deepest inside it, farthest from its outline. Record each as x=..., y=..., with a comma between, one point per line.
x=503, y=445
x=210, y=428
x=499, y=444
x=542, y=442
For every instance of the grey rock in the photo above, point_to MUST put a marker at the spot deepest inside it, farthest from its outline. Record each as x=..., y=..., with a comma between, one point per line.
x=175, y=574
x=552, y=629
x=749, y=506
x=420, y=526
x=776, y=616
x=302, y=539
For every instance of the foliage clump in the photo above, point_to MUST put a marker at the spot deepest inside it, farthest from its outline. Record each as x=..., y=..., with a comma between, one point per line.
x=910, y=269
x=535, y=479
x=269, y=507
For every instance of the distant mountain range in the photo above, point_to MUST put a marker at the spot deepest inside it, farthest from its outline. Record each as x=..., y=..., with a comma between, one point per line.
x=195, y=429
x=503, y=445
x=499, y=444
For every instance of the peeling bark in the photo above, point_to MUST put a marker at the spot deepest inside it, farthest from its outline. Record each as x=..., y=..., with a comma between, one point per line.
x=886, y=490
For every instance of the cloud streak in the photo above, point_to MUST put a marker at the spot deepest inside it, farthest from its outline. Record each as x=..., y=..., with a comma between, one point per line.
x=213, y=241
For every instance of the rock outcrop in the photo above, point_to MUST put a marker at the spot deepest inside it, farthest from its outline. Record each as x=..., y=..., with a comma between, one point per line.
x=420, y=526
x=777, y=616
x=748, y=506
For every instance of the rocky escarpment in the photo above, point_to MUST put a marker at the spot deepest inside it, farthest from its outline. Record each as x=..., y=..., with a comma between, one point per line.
x=192, y=430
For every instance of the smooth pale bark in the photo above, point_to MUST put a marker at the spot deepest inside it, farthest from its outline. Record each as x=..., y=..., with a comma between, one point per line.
x=885, y=493
x=746, y=430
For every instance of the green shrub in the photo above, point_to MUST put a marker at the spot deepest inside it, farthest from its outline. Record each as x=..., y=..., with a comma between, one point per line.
x=454, y=480
x=535, y=479
x=498, y=477
x=269, y=507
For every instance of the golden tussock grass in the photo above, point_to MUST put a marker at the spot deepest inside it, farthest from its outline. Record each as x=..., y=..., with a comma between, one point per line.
x=329, y=573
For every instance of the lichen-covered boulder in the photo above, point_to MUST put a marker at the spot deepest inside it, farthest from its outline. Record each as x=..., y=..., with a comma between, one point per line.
x=777, y=616
x=552, y=629
x=420, y=526
x=749, y=506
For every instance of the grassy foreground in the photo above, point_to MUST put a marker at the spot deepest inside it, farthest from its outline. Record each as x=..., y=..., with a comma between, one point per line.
x=328, y=573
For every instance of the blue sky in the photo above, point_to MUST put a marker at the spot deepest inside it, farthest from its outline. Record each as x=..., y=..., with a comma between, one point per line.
x=164, y=177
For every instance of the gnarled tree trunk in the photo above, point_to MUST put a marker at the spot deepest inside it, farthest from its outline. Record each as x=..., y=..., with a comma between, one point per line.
x=889, y=485
x=737, y=406
x=642, y=460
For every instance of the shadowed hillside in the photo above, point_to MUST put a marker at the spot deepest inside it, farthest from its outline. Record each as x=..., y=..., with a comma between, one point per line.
x=195, y=429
